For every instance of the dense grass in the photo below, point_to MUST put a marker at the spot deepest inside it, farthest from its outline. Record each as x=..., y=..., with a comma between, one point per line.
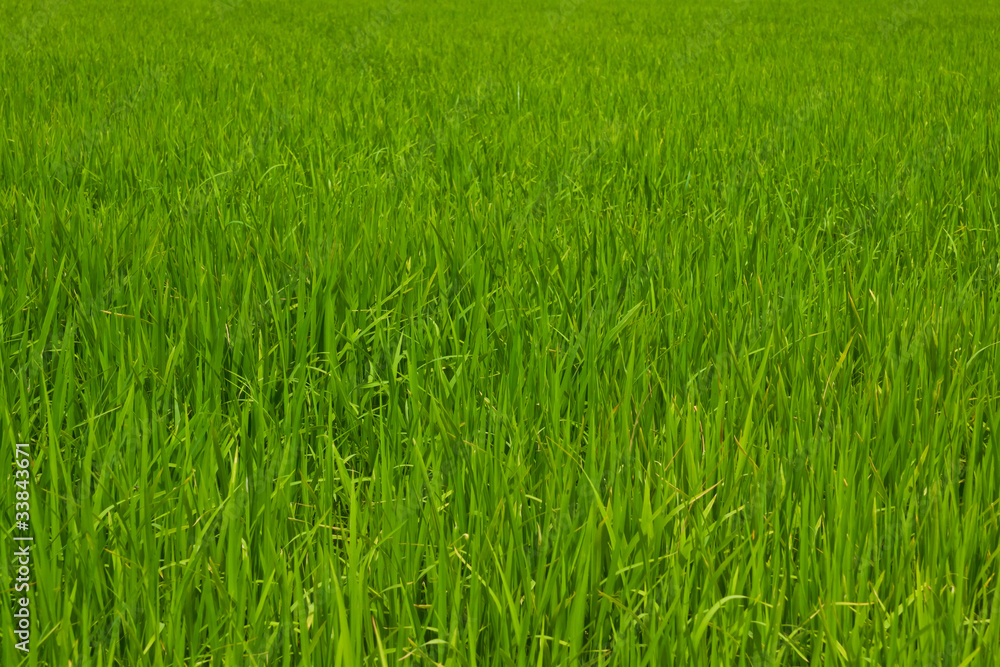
x=515, y=334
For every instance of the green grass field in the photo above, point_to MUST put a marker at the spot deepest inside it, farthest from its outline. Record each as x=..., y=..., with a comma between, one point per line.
x=558, y=333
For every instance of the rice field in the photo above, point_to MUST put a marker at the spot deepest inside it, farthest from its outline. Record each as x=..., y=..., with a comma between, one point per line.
x=552, y=333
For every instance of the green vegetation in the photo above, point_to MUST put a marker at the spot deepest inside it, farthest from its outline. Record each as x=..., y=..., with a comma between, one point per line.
x=503, y=333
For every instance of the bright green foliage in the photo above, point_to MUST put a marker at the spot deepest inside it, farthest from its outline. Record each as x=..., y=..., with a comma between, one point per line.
x=503, y=333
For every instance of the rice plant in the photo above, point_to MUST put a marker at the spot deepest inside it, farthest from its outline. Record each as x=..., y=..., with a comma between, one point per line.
x=502, y=333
